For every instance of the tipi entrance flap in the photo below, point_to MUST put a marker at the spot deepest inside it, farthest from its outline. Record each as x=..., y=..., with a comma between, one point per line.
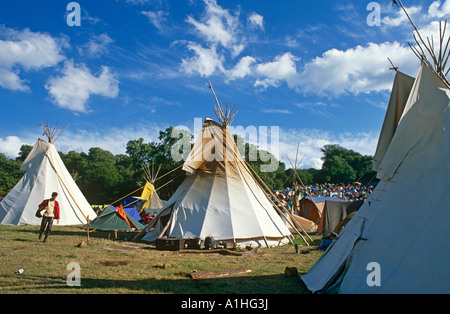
x=399, y=96
x=218, y=214
x=197, y=194
x=418, y=119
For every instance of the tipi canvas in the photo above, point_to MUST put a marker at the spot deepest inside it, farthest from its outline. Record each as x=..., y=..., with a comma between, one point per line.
x=398, y=240
x=45, y=173
x=219, y=197
x=149, y=194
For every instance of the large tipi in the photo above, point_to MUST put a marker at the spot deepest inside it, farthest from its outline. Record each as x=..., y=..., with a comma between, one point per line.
x=398, y=240
x=45, y=173
x=219, y=197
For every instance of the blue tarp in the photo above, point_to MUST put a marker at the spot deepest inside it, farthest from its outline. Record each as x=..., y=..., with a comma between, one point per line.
x=132, y=211
x=322, y=199
x=131, y=201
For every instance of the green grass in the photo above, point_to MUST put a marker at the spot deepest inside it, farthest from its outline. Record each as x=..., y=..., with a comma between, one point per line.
x=145, y=270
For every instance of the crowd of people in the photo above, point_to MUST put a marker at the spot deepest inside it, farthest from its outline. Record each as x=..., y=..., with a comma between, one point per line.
x=348, y=192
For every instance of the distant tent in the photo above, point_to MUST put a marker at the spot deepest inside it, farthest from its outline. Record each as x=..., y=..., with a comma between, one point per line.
x=115, y=218
x=133, y=212
x=334, y=212
x=312, y=208
x=403, y=225
x=45, y=173
x=151, y=198
x=149, y=194
x=219, y=197
x=305, y=223
x=131, y=201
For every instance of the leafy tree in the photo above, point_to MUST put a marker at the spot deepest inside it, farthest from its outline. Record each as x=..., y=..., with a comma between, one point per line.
x=10, y=174
x=306, y=175
x=140, y=153
x=101, y=176
x=160, y=155
x=23, y=153
x=266, y=166
x=76, y=164
x=344, y=165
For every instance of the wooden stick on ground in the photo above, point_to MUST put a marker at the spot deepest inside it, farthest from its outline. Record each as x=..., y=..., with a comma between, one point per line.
x=218, y=273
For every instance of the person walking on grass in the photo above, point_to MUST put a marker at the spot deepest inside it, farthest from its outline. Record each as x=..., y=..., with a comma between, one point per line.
x=51, y=207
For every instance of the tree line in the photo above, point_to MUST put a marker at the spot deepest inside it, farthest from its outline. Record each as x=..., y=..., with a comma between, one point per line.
x=104, y=177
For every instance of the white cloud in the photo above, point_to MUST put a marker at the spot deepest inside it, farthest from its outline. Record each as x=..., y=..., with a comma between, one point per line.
x=241, y=69
x=318, y=107
x=26, y=50
x=401, y=17
x=310, y=142
x=439, y=10
x=10, y=146
x=283, y=68
x=223, y=36
x=356, y=70
x=114, y=140
x=256, y=20
x=73, y=89
x=157, y=18
x=96, y=46
x=282, y=111
x=359, y=69
x=205, y=62
x=217, y=25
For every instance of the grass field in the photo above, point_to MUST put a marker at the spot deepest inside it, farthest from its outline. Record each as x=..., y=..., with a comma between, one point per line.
x=119, y=266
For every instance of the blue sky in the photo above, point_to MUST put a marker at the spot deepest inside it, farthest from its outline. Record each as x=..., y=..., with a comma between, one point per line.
x=315, y=69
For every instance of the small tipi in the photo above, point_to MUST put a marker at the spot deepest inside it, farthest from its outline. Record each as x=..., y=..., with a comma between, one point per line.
x=398, y=240
x=149, y=193
x=45, y=173
x=219, y=197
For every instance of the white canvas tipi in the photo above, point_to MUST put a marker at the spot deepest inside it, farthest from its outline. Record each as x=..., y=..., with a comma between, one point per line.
x=45, y=173
x=219, y=198
x=398, y=240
